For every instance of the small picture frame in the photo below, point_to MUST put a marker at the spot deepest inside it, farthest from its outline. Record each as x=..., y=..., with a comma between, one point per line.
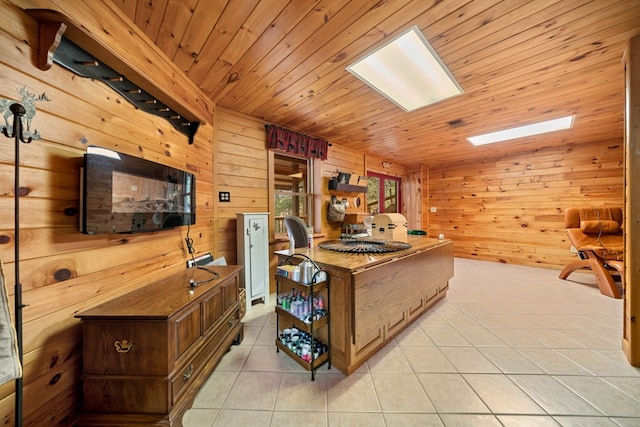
x=343, y=178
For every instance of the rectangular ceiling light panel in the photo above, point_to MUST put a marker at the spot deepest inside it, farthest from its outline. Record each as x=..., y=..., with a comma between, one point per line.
x=523, y=131
x=407, y=71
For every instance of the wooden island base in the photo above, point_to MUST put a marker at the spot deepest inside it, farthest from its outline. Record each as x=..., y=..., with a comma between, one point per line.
x=374, y=297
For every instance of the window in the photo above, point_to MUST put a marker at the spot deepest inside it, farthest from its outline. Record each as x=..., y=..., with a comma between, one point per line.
x=383, y=194
x=292, y=190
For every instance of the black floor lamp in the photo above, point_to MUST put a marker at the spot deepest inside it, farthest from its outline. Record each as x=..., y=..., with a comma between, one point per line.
x=18, y=111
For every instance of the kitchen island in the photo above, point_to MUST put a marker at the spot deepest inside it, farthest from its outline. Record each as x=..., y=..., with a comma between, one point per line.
x=373, y=297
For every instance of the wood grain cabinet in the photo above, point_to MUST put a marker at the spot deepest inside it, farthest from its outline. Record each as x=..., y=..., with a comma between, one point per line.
x=146, y=353
x=375, y=296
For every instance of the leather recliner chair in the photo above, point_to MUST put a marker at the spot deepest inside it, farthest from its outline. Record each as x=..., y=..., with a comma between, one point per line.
x=596, y=233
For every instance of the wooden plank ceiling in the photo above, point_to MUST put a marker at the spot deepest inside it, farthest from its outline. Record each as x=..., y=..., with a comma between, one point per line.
x=518, y=61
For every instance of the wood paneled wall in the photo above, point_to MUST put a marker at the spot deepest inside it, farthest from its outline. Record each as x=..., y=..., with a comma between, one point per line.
x=241, y=167
x=508, y=210
x=62, y=270
x=412, y=199
x=342, y=160
x=512, y=210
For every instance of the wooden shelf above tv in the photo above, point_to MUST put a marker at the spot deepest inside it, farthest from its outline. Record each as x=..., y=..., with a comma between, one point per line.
x=106, y=33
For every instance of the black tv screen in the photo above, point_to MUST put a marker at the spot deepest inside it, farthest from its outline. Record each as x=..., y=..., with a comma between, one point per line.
x=126, y=194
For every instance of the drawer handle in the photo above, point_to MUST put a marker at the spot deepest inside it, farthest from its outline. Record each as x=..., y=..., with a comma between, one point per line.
x=123, y=346
x=187, y=374
x=232, y=321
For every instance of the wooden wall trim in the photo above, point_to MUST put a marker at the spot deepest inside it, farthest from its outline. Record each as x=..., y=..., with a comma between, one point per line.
x=631, y=330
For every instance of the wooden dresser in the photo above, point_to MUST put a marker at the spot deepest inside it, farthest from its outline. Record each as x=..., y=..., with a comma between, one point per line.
x=146, y=353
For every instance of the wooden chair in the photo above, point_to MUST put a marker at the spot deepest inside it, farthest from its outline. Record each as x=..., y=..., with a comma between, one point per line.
x=596, y=233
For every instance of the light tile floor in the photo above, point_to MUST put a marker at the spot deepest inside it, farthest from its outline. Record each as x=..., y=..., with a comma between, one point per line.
x=508, y=346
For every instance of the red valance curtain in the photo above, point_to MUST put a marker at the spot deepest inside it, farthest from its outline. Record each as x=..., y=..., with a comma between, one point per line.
x=279, y=138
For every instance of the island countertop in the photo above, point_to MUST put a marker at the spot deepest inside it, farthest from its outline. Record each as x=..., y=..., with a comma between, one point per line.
x=357, y=261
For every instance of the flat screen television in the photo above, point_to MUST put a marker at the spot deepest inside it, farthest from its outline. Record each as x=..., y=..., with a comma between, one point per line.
x=126, y=194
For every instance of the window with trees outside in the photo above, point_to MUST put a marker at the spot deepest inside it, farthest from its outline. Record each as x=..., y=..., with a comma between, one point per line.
x=383, y=193
x=293, y=180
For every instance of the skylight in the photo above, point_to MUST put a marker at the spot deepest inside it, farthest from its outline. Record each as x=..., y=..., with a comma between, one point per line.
x=523, y=131
x=408, y=71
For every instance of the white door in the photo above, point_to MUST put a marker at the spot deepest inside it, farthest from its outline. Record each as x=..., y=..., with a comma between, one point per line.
x=258, y=255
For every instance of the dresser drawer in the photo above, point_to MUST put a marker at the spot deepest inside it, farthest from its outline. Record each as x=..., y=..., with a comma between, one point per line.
x=124, y=347
x=188, y=373
x=125, y=394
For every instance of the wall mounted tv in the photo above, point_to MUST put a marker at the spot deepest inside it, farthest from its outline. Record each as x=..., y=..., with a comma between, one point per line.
x=126, y=194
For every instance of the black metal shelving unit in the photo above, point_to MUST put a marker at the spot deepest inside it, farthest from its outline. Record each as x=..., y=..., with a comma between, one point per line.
x=287, y=319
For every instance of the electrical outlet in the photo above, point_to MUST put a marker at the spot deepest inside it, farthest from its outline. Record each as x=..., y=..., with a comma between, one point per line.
x=224, y=196
x=433, y=209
